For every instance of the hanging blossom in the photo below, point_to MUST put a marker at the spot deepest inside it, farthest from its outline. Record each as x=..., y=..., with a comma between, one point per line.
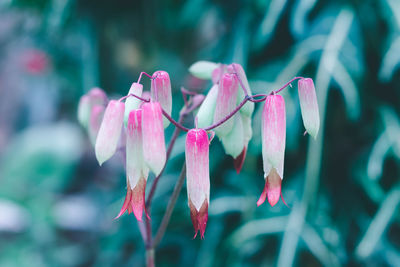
x=230, y=85
x=198, y=178
x=138, y=126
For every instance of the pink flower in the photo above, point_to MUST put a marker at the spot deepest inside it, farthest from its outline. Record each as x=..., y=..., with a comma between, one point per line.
x=136, y=170
x=273, y=132
x=309, y=106
x=198, y=178
x=132, y=103
x=110, y=131
x=153, y=137
x=161, y=92
x=226, y=103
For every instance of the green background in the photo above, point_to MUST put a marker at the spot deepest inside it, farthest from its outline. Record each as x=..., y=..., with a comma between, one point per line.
x=57, y=205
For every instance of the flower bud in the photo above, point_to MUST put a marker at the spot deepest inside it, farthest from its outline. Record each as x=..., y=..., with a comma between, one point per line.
x=203, y=69
x=205, y=115
x=153, y=137
x=198, y=178
x=161, y=92
x=132, y=102
x=110, y=131
x=226, y=103
x=309, y=106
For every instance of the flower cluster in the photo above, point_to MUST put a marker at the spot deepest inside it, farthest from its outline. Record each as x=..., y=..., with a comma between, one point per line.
x=136, y=128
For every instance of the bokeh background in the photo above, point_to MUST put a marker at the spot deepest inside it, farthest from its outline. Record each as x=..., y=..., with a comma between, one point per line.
x=57, y=205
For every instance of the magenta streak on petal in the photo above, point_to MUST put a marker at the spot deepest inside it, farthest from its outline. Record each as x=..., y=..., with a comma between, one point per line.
x=153, y=137
x=274, y=130
x=134, y=148
x=197, y=166
x=161, y=92
x=226, y=102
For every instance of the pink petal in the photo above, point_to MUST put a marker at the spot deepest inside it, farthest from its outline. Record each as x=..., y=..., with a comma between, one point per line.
x=273, y=184
x=248, y=108
x=153, y=137
x=126, y=202
x=161, y=92
x=273, y=131
x=135, y=166
x=226, y=102
x=110, y=131
x=197, y=166
x=138, y=199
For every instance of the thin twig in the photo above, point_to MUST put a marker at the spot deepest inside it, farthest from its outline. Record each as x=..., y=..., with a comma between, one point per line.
x=170, y=207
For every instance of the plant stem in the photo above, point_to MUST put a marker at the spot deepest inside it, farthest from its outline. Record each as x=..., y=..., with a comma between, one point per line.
x=170, y=207
x=150, y=259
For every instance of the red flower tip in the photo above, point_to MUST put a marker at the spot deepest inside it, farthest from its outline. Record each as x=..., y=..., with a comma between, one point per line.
x=239, y=160
x=135, y=200
x=199, y=218
x=272, y=189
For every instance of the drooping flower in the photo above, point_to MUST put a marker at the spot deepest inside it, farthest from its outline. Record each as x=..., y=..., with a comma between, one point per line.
x=273, y=131
x=198, y=178
x=226, y=103
x=136, y=170
x=153, y=137
x=309, y=106
x=161, y=92
x=110, y=131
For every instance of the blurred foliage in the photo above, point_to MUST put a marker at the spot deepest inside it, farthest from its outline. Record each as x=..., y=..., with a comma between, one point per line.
x=57, y=206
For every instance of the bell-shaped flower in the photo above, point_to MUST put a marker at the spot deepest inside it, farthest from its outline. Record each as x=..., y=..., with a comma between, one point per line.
x=161, y=92
x=273, y=132
x=226, y=103
x=198, y=178
x=96, y=117
x=153, y=137
x=110, y=131
x=136, y=170
x=132, y=102
x=205, y=115
x=309, y=106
